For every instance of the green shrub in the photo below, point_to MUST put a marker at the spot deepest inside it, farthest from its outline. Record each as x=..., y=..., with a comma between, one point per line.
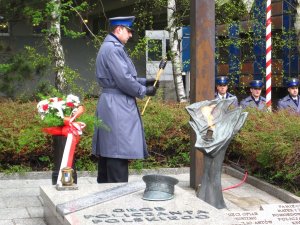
x=23, y=142
x=167, y=133
x=85, y=163
x=17, y=169
x=267, y=146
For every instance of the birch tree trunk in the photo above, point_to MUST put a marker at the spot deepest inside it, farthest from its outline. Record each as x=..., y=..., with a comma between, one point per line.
x=175, y=52
x=55, y=46
x=297, y=23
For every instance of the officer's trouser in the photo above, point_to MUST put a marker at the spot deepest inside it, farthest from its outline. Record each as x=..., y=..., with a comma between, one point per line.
x=112, y=170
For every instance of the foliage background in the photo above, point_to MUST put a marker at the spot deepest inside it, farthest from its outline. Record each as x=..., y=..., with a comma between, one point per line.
x=150, y=14
x=268, y=145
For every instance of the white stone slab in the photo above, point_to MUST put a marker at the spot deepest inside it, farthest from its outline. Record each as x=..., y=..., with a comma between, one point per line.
x=17, y=193
x=283, y=213
x=2, y=204
x=4, y=184
x=26, y=201
x=36, y=212
x=53, y=199
x=6, y=222
x=100, y=197
x=11, y=213
x=184, y=208
x=279, y=214
x=34, y=221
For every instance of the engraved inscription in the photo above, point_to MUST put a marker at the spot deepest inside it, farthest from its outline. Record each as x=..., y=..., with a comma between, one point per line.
x=136, y=215
x=285, y=214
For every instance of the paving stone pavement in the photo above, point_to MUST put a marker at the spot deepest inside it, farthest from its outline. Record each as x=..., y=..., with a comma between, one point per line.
x=21, y=204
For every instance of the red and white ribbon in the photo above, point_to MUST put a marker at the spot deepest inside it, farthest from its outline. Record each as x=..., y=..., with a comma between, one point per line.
x=268, y=55
x=75, y=129
x=72, y=130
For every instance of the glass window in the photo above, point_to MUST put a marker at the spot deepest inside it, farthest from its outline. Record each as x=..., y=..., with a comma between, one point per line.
x=4, y=28
x=168, y=49
x=247, y=46
x=223, y=54
x=222, y=49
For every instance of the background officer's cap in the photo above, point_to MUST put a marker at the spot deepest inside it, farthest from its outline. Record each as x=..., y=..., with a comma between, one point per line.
x=256, y=84
x=222, y=80
x=293, y=82
x=125, y=21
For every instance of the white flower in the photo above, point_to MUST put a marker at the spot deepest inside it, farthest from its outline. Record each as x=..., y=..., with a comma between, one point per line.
x=59, y=106
x=43, y=106
x=74, y=99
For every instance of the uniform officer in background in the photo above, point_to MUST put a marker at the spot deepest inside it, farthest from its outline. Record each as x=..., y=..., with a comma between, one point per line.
x=116, y=74
x=291, y=101
x=255, y=100
x=222, y=88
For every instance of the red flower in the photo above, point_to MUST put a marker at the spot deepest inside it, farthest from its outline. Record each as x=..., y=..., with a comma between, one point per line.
x=51, y=100
x=45, y=107
x=70, y=104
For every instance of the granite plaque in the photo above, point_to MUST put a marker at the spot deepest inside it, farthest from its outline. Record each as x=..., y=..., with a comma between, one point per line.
x=279, y=214
x=70, y=207
x=184, y=208
x=283, y=213
x=250, y=218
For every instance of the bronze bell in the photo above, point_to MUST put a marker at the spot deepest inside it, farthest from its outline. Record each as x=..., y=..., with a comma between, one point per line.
x=159, y=187
x=67, y=176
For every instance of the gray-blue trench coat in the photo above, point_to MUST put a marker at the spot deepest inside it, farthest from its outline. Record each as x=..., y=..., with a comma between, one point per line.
x=117, y=106
x=288, y=103
x=249, y=102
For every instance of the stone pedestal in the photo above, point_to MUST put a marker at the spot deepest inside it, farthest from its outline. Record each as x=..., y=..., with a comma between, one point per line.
x=122, y=203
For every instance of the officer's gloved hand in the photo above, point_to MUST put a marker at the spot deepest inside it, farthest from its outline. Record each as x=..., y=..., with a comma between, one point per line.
x=150, y=91
x=151, y=81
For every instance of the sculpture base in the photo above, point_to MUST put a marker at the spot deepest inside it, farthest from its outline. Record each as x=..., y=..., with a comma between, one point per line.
x=60, y=187
x=210, y=190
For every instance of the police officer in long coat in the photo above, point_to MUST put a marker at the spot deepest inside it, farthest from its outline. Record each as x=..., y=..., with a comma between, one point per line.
x=291, y=101
x=222, y=90
x=116, y=74
x=255, y=100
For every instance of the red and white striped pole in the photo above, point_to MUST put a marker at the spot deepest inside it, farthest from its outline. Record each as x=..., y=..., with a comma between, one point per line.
x=268, y=55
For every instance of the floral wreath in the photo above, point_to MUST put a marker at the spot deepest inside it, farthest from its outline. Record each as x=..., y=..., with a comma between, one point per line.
x=53, y=111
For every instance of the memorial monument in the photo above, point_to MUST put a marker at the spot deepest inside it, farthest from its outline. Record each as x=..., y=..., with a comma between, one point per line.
x=215, y=124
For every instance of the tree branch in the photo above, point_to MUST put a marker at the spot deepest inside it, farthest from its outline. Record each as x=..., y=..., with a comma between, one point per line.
x=87, y=27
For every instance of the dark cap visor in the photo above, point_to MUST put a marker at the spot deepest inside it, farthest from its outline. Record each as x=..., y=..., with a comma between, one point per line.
x=129, y=28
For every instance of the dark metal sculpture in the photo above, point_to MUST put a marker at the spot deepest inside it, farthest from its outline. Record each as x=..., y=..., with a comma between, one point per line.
x=215, y=123
x=159, y=187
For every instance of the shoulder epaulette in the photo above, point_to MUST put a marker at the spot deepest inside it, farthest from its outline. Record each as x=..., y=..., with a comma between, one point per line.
x=117, y=43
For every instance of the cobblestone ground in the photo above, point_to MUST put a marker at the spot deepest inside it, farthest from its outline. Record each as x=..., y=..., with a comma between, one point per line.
x=20, y=202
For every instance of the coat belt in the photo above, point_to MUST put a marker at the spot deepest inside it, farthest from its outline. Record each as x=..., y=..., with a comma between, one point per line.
x=112, y=91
